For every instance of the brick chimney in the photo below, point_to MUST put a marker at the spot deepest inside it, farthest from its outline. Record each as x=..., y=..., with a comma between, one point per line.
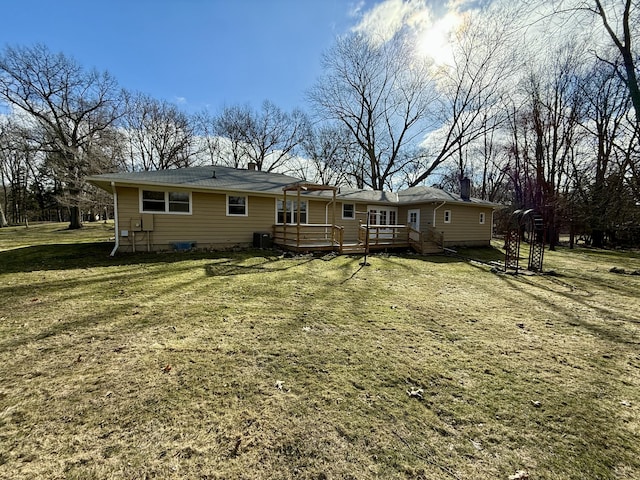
x=465, y=188
x=251, y=166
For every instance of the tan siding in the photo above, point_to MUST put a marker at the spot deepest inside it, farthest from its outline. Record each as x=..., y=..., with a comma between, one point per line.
x=317, y=212
x=208, y=225
x=465, y=227
x=351, y=226
x=426, y=216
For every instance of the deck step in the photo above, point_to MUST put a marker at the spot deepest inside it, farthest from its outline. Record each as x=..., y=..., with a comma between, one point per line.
x=352, y=249
x=431, y=248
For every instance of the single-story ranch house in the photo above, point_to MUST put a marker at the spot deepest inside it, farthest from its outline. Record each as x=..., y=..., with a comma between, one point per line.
x=219, y=208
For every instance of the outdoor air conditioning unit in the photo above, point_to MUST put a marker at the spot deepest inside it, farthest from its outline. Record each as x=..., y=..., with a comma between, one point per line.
x=262, y=240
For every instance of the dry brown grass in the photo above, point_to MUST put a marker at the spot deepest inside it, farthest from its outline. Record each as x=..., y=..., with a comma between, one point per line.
x=249, y=365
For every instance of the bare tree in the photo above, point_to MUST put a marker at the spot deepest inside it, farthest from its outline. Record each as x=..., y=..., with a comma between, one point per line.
x=267, y=137
x=273, y=136
x=381, y=94
x=16, y=155
x=159, y=135
x=232, y=131
x=545, y=135
x=328, y=153
x=470, y=92
x=620, y=20
x=70, y=106
x=209, y=144
x=606, y=102
x=621, y=34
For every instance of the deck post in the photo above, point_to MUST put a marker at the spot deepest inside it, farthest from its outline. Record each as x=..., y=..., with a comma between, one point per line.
x=284, y=217
x=298, y=220
x=366, y=244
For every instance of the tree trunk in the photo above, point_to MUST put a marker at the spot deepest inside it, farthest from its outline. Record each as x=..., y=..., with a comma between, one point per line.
x=572, y=235
x=597, y=238
x=75, y=221
x=3, y=219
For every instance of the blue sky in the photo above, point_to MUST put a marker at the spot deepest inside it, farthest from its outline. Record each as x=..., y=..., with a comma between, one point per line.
x=198, y=53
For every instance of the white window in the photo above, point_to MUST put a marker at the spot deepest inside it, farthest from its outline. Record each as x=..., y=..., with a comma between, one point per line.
x=236, y=206
x=179, y=202
x=447, y=216
x=382, y=216
x=348, y=211
x=155, y=201
x=481, y=218
x=292, y=211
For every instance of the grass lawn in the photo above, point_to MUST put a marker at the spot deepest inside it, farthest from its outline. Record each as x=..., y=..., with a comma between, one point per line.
x=252, y=365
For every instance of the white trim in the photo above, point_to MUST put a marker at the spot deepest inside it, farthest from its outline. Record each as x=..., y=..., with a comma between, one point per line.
x=447, y=216
x=291, y=211
x=353, y=217
x=246, y=206
x=378, y=208
x=417, y=212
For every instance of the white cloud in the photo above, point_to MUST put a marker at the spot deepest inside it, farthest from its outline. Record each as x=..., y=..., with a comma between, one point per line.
x=390, y=16
x=431, y=25
x=356, y=8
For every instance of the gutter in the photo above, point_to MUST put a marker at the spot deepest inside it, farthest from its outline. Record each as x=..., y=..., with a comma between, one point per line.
x=434, y=212
x=115, y=218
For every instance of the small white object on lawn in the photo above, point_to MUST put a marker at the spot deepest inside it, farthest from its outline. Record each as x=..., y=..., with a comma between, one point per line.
x=415, y=392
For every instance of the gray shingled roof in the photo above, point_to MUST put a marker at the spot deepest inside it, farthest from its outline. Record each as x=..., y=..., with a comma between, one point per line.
x=423, y=194
x=240, y=180
x=225, y=179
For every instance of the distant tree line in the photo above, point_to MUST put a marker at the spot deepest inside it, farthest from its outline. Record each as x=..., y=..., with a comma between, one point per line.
x=536, y=115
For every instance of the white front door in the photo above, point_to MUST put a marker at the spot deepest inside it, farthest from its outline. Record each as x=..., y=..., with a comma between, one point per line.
x=413, y=218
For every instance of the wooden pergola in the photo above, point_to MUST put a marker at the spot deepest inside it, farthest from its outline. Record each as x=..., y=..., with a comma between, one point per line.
x=305, y=187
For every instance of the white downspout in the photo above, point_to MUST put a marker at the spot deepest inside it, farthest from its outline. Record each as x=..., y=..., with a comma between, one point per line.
x=434, y=213
x=326, y=217
x=326, y=212
x=115, y=218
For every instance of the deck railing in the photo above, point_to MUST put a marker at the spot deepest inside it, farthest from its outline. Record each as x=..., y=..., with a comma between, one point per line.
x=384, y=235
x=309, y=236
x=435, y=236
x=415, y=239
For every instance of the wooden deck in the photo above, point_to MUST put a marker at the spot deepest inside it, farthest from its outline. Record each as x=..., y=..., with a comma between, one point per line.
x=327, y=237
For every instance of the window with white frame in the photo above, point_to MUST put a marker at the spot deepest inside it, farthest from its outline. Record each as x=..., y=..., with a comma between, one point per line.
x=447, y=216
x=348, y=211
x=179, y=202
x=236, y=206
x=157, y=201
x=481, y=218
x=292, y=211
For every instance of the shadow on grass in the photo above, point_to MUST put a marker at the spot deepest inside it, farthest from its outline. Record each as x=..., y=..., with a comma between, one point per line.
x=63, y=256
x=231, y=267
x=88, y=255
x=606, y=324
